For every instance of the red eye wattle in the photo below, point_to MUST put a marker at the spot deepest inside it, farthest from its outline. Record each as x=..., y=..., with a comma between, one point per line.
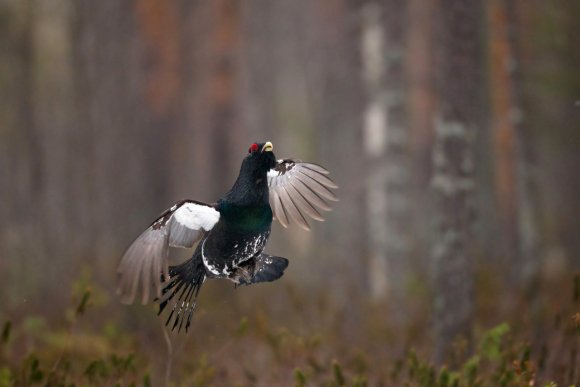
x=253, y=148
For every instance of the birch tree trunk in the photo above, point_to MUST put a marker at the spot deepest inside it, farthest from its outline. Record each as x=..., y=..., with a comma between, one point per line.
x=375, y=131
x=385, y=147
x=458, y=88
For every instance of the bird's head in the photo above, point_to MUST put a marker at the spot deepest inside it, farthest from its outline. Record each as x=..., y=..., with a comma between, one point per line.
x=261, y=157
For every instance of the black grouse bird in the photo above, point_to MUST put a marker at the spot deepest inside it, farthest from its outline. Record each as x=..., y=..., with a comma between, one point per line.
x=232, y=233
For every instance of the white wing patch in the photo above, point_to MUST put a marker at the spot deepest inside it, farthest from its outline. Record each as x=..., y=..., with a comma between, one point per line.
x=145, y=261
x=195, y=216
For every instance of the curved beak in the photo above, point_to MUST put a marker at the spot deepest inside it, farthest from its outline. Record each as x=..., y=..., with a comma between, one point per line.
x=268, y=147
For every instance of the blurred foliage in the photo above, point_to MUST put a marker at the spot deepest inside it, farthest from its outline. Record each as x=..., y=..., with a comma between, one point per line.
x=90, y=349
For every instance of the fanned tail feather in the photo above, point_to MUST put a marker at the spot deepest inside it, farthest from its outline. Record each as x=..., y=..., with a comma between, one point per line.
x=180, y=292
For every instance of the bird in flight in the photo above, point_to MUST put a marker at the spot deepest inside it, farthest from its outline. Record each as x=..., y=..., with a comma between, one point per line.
x=231, y=233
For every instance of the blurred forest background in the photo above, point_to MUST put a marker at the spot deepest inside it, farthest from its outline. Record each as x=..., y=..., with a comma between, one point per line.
x=451, y=126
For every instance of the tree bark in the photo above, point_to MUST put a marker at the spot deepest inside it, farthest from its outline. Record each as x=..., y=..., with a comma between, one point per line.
x=420, y=70
x=529, y=204
x=458, y=88
x=503, y=129
x=386, y=142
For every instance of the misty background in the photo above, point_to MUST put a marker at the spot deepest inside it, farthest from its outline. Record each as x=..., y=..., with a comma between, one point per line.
x=451, y=127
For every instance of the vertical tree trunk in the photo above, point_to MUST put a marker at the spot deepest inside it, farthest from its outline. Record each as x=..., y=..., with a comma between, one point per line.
x=420, y=85
x=343, y=123
x=212, y=96
x=458, y=88
x=420, y=71
x=397, y=171
x=385, y=147
x=375, y=133
x=503, y=129
x=223, y=89
x=22, y=161
x=514, y=171
x=258, y=70
x=528, y=271
x=100, y=35
x=53, y=97
x=336, y=93
x=529, y=206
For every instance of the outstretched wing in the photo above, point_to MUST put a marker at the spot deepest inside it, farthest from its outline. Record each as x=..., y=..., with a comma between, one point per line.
x=298, y=190
x=146, y=259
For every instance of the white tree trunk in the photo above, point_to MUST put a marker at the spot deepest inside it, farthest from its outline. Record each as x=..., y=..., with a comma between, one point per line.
x=386, y=149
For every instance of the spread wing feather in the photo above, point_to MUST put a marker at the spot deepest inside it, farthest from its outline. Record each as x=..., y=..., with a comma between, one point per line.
x=299, y=191
x=145, y=261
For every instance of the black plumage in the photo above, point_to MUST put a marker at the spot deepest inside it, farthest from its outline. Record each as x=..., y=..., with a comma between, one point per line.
x=230, y=234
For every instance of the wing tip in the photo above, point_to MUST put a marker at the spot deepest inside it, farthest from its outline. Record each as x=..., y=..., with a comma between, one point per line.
x=126, y=299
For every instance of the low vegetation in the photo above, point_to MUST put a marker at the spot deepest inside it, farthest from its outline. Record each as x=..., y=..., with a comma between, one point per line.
x=310, y=344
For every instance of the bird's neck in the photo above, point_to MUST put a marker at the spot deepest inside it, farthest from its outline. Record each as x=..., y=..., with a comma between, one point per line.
x=250, y=189
x=246, y=207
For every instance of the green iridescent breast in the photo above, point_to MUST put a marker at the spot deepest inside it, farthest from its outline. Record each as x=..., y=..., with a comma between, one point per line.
x=246, y=218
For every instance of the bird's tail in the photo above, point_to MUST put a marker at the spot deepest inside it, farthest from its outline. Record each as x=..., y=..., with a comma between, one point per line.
x=181, y=292
x=263, y=268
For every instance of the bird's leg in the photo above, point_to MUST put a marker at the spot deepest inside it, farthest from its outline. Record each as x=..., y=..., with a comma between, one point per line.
x=243, y=274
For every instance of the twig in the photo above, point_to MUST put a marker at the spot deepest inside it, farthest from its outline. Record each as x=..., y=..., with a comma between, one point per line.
x=169, y=363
